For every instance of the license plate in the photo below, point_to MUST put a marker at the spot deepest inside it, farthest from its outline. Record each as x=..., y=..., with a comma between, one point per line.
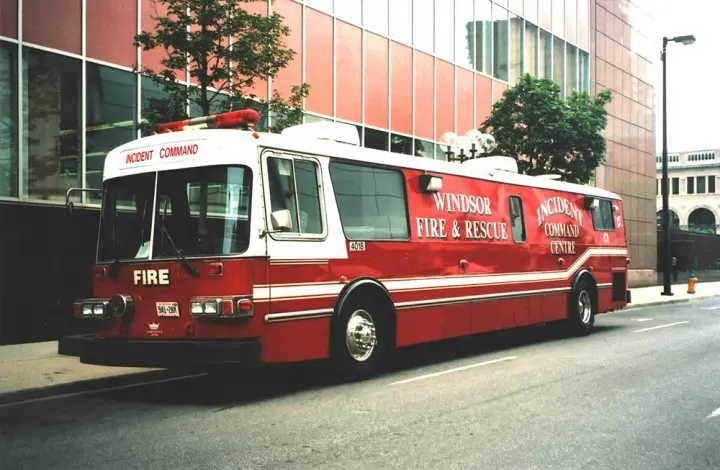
x=167, y=309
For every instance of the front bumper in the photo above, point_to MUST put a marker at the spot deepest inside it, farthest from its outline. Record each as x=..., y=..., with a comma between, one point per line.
x=169, y=353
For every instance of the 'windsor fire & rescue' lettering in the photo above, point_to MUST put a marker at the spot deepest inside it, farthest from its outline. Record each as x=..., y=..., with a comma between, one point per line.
x=464, y=204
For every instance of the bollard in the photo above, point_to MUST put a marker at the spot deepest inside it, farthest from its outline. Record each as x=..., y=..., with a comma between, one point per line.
x=691, y=283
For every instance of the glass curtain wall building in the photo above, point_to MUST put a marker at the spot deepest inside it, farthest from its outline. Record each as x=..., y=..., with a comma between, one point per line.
x=402, y=71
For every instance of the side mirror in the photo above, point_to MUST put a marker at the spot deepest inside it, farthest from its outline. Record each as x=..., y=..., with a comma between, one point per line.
x=281, y=220
x=68, y=203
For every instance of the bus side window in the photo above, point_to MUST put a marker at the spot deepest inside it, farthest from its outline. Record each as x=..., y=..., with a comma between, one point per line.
x=294, y=186
x=602, y=215
x=517, y=219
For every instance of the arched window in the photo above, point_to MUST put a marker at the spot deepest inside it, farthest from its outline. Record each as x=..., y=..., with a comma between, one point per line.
x=674, y=219
x=702, y=220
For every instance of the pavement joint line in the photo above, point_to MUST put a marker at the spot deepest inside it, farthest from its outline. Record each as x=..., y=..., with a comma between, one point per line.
x=92, y=386
x=661, y=326
x=456, y=369
x=712, y=415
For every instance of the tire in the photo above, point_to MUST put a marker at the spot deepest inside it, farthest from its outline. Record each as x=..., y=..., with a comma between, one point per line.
x=582, y=308
x=360, y=338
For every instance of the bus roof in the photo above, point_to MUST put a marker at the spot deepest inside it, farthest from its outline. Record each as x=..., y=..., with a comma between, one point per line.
x=192, y=148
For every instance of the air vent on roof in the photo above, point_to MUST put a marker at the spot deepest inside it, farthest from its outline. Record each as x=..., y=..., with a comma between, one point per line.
x=335, y=131
x=498, y=163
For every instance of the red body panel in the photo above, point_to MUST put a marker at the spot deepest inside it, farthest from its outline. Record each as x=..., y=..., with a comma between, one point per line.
x=459, y=274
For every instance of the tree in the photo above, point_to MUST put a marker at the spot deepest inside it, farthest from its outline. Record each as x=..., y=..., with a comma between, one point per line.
x=225, y=49
x=548, y=134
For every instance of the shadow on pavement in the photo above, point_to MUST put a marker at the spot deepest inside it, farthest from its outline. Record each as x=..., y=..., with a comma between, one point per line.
x=228, y=388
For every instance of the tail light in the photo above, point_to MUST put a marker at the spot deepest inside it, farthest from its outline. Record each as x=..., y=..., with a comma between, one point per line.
x=221, y=307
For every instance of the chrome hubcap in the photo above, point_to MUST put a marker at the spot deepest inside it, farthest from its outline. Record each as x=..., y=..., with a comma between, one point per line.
x=360, y=335
x=585, y=306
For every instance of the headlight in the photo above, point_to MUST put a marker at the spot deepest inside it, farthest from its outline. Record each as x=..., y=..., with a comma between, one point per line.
x=210, y=308
x=98, y=309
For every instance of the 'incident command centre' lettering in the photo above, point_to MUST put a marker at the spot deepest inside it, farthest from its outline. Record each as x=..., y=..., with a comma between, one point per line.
x=165, y=152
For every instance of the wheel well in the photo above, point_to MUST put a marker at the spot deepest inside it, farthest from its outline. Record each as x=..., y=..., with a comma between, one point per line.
x=372, y=291
x=587, y=276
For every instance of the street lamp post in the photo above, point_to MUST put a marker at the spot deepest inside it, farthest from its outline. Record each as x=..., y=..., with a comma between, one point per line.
x=687, y=40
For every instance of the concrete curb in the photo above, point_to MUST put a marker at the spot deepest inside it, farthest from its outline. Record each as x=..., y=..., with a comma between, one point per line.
x=666, y=302
x=90, y=385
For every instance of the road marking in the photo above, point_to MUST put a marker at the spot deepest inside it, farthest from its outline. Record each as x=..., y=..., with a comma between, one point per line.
x=661, y=326
x=100, y=390
x=717, y=307
x=642, y=319
x=457, y=369
x=713, y=414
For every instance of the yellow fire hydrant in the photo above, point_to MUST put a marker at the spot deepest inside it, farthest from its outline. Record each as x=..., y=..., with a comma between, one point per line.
x=691, y=283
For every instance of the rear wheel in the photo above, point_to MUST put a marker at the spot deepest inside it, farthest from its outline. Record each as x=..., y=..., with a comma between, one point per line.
x=581, y=317
x=360, y=339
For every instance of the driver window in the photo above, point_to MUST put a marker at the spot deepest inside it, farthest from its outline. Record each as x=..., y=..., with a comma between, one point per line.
x=294, y=186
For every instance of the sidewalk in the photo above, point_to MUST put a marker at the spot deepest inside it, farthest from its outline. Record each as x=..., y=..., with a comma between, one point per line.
x=36, y=370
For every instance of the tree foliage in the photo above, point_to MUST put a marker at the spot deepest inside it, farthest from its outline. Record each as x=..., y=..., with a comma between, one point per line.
x=547, y=133
x=226, y=51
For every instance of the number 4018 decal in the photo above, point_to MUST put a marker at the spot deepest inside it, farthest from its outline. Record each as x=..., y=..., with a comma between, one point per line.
x=357, y=246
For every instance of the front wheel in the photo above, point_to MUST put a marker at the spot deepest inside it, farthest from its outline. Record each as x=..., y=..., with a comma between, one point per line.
x=581, y=317
x=359, y=341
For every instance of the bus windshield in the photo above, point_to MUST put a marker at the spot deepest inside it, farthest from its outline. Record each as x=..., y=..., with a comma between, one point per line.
x=202, y=211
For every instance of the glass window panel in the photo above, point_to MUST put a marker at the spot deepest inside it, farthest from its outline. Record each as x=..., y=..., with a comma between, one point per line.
x=516, y=47
x=690, y=183
x=51, y=90
x=501, y=49
x=711, y=184
x=531, y=49
x=371, y=202
x=424, y=149
x=445, y=30
x=423, y=25
x=517, y=219
x=545, y=55
x=464, y=33
x=349, y=10
x=571, y=68
x=676, y=185
x=314, y=118
x=441, y=152
x=111, y=117
x=376, y=139
x=306, y=178
x=483, y=36
x=210, y=211
x=584, y=73
x=701, y=185
x=322, y=5
x=401, y=144
x=559, y=62
x=8, y=120
x=152, y=98
x=375, y=16
x=401, y=20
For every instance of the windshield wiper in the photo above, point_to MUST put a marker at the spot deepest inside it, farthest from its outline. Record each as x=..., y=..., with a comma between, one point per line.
x=190, y=268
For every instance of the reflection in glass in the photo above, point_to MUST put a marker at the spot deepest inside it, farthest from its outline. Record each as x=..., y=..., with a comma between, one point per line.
x=375, y=139
x=423, y=25
x=401, y=20
x=111, y=118
x=501, y=49
x=464, y=33
x=559, y=63
x=584, y=71
x=516, y=47
x=401, y=144
x=8, y=120
x=545, y=55
x=531, y=49
x=51, y=87
x=483, y=36
x=445, y=30
x=441, y=152
x=375, y=16
x=349, y=10
x=571, y=68
x=424, y=149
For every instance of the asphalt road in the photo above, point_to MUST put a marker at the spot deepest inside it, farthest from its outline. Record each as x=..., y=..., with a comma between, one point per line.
x=640, y=392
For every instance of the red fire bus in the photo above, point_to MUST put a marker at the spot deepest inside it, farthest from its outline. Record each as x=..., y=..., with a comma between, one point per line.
x=221, y=245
